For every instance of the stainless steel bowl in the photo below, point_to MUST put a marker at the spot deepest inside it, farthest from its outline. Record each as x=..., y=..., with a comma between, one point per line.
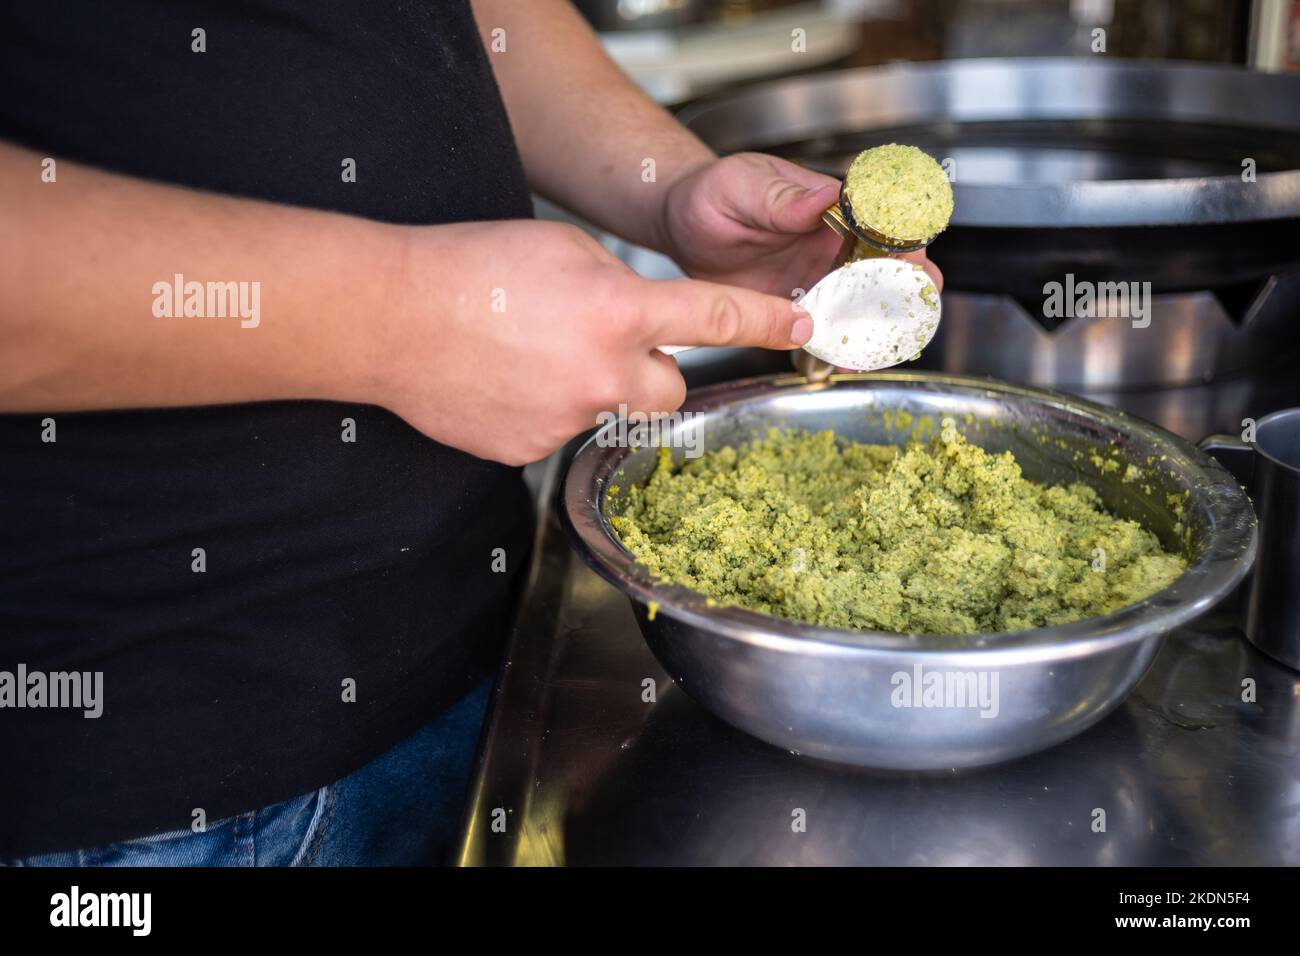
x=844, y=695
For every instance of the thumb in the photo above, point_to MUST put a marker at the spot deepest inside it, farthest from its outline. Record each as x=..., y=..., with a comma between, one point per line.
x=690, y=312
x=921, y=259
x=795, y=208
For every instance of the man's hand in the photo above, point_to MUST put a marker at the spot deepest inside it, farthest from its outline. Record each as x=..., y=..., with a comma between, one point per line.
x=755, y=221
x=587, y=135
x=537, y=329
x=504, y=339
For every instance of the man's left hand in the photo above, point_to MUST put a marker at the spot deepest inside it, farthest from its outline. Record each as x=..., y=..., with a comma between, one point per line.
x=756, y=221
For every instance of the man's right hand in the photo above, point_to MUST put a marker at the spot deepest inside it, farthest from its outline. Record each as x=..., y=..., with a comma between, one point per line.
x=503, y=339
x=512, y=337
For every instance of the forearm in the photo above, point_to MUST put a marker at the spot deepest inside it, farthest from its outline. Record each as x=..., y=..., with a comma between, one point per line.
x=584, y=129
x=83, y=261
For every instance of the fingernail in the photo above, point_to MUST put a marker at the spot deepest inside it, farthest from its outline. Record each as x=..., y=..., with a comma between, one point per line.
x=801, y=331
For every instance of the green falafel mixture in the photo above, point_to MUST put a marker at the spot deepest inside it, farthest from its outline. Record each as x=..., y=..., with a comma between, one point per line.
x=900, y=192
x=935, y=537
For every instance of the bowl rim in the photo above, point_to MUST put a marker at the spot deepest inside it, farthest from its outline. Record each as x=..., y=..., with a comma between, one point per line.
x=1226, y=558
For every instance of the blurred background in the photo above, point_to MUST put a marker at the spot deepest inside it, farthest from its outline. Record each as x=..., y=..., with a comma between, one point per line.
x=681, y=49
x=1148, y=141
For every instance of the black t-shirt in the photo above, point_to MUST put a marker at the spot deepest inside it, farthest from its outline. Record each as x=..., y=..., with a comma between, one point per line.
x=327, y=561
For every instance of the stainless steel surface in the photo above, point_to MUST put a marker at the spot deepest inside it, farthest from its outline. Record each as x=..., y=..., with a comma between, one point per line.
x=1108, y=169
x=586, y=769
x=1100, y=170
x=1273, y=614
x=646, y=14
x=1198, y=367
x=1188, y=334
x=1272, y=472
x=1025, y=187
x=829, y=693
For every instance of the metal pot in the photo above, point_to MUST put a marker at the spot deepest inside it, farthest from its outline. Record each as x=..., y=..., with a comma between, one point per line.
x=1269, y=466
x=612, y=15
x=833, y=693
x=1090, y=170
x=1107, y=169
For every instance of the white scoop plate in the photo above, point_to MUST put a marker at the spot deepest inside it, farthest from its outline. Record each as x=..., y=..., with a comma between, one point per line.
x=872, y=314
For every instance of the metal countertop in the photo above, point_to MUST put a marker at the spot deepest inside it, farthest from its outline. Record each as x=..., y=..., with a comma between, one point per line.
x=588, y=772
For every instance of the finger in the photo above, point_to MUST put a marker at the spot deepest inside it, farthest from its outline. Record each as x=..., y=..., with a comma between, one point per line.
x=817, y=256
x=921, y=259
x=792, y=209
x=775, y=195
x=660, y=386
x=799, y=175
x=690, y=312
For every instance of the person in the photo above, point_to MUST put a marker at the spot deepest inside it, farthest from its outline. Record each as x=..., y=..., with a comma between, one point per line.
x=279, y=330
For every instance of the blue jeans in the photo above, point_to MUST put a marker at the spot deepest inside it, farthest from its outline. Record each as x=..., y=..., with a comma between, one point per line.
x=401, y=809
